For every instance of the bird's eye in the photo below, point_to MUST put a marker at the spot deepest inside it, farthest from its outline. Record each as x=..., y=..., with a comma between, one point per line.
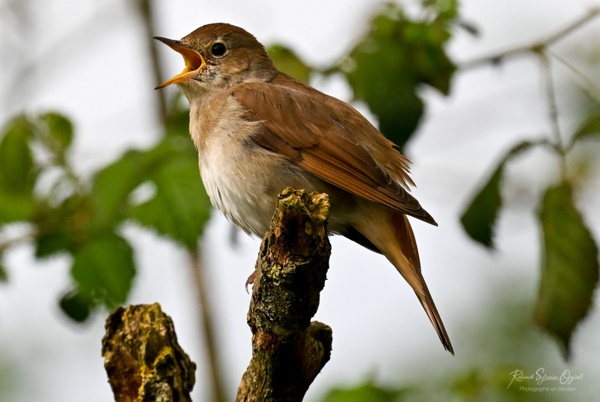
x=218, y=49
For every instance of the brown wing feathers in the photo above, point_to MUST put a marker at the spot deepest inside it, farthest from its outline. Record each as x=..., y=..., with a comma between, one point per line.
x=308, y=141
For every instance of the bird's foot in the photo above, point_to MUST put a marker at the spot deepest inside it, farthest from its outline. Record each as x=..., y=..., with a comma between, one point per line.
x=250, y=280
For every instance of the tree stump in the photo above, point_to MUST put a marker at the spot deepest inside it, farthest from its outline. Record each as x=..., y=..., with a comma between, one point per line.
x=142, y=358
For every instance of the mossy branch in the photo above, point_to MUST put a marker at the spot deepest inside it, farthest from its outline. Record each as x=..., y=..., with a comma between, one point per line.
x=142, y=358
x=288, y=350
x=144, y=362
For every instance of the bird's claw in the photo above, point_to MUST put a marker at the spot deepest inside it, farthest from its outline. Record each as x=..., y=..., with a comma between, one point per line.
x=250, y=280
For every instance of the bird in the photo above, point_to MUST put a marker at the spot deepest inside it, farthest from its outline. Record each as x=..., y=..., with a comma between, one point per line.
x=258, y=130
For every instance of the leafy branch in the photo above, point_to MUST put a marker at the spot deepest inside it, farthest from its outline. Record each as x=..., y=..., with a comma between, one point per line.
x=67, y=215
x=569, y=263
x=536, y=46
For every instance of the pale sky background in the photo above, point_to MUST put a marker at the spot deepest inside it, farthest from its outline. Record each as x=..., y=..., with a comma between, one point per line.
x=96, y=71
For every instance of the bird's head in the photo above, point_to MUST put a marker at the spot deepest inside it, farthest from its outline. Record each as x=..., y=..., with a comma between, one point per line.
x=218, y=56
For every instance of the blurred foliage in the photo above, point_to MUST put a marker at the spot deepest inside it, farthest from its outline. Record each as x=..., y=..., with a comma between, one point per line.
x=83, y=218
x=10, y=372
x=569, y=266
x=3, y=274
x=480, y=216
x=17, y=172
x=366, y=392
x=588, y=129
x=486, y=384
x=569, y=263
x=504, y=352
x=388, y=66
x=285, y=59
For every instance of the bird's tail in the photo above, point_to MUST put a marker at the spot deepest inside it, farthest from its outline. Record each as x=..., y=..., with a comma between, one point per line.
x=407, y=262
x=403, y=254
x=434, y=317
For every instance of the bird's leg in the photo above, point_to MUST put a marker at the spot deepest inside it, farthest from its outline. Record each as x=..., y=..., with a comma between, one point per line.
x=250, y=280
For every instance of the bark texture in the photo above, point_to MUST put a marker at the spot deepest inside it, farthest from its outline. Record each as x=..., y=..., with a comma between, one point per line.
x=288, y=351
x=142, y=358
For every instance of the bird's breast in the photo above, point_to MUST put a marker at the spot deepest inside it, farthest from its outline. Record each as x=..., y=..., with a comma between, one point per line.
x=236, y=182
x=240, y=177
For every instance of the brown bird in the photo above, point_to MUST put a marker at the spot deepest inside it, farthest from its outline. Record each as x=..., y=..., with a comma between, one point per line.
x=258, y=130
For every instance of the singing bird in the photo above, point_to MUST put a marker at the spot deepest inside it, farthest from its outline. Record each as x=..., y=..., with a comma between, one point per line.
x=258, y=131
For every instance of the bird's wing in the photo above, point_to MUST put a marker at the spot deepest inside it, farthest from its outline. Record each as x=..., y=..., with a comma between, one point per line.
x=328, y=138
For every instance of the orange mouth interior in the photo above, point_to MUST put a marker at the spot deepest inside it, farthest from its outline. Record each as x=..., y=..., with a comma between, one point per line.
x=194, y=62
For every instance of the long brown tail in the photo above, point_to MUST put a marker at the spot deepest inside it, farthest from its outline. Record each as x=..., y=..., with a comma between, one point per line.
x=434, y=317
x=409, y=266
x=391, y=233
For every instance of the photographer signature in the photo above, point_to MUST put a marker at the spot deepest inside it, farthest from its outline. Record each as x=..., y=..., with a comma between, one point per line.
x=540, y=377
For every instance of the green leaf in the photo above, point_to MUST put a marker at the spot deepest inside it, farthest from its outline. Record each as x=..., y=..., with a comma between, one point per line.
x=387, y=67
x=570, y=266
x=64, y=227
x=480, y=216
x=447, y=9
x=114, y=184
x=3, y=273
x=60, y=129
x=180, y=207
x=17, y=174
x=367, y=392
x=76, y=306
x=15, y=207
x=57, y=239
x=178, y=121
x=104, y=269
x=287, y=61
x=589, y=128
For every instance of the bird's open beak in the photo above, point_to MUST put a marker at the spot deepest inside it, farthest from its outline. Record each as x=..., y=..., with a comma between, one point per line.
x=193, y=61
